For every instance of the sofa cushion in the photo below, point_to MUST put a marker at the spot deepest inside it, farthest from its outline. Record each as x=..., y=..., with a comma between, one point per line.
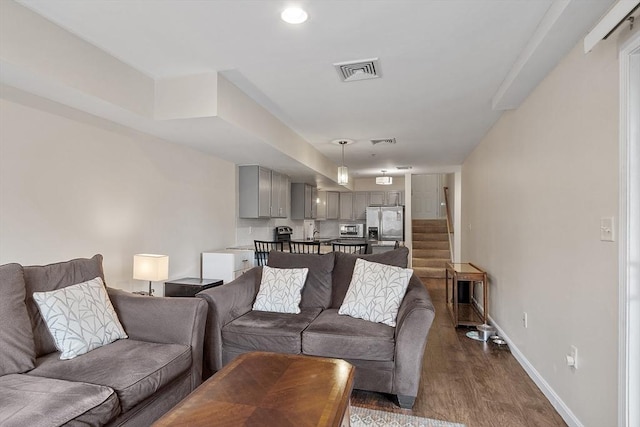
x=317, y=290
x=17, y=350
x=266, y=331
x=48, y=278
x=43, y=402
x=375, y=292
x=80, y=317
x=333, y=335
x=343, y=270
x=280, y=289
x=134, y=369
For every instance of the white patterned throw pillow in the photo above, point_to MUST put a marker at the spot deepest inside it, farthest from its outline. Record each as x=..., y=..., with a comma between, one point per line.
x=280, y=290
x=80, y=317
x=375, y=292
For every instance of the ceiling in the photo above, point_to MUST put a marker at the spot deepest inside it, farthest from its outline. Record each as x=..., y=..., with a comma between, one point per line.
x=448, y=68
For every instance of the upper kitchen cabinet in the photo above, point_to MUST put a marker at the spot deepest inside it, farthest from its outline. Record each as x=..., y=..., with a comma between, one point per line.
x=353, y=206
x=346, y=205
x=382, y=198
x=395, y=198
x=254, y=184
x=333, y=205
x=361, y=200
x=377, y=198
x=303, y=201
x=328, y=205
x=279, y=194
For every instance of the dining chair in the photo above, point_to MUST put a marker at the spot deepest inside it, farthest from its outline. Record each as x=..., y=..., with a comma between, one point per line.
x=304, y=247
x=263, y=247
x=351, y=248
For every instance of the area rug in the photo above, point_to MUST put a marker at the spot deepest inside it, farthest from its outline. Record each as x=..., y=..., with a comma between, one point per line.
x=363, y=417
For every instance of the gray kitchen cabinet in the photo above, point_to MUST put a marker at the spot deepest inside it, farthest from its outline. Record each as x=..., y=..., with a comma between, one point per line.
x=377, y=198
x=328, y=205
x=354, y=205
x=254, y=186
x=279, y=194
x=303, y=201
x=361, y=200
x=333, y=205
x=395, y=198
x=314, y=202
x=322, y=205
x=346, y=205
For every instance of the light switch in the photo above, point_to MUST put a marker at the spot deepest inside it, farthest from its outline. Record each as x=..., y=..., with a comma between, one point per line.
x=607, y=233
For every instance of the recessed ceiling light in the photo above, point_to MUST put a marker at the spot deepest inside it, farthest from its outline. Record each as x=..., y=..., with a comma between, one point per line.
x=294, y=15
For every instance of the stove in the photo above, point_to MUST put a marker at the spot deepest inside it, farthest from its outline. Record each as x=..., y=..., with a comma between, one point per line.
x=282, y=233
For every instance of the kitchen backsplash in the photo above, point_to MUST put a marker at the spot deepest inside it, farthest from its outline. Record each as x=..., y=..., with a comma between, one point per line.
x=248, y=230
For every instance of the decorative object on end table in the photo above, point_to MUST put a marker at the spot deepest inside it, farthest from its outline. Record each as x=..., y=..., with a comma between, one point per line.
x=150, y=267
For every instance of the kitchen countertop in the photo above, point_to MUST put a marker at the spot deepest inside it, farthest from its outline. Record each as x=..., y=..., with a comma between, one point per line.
x=326, y=242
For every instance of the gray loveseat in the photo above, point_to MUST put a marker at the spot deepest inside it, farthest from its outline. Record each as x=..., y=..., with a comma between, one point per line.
x=129, y=382
x=387, y=359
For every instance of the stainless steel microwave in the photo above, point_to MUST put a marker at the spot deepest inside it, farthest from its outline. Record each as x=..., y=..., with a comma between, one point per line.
x=351, y=230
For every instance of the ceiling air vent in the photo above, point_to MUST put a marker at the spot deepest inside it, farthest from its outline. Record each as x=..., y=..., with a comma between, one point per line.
x=383, y=141
x=404, y=168
x=363, y=69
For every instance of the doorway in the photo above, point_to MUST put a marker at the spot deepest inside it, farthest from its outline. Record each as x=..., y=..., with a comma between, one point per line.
x=629, y=295
x=427, y=198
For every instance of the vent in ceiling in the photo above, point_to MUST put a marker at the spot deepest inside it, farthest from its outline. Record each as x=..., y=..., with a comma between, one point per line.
x=358, y=70
x=383, y=141
x=404, y=168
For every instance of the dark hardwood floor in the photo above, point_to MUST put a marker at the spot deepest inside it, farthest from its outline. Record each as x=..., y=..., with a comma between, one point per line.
x=469, y=382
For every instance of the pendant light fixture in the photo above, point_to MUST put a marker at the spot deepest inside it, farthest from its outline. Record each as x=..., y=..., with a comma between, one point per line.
x=343, y=172
x=384, y=179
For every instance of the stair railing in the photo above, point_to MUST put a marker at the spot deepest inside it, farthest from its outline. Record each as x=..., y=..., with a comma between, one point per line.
x=449, y=222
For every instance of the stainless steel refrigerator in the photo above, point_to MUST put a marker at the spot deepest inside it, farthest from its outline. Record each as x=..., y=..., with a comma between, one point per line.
x=385, y=223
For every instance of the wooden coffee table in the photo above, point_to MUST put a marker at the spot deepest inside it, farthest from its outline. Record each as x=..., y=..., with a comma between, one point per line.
x=269, y=389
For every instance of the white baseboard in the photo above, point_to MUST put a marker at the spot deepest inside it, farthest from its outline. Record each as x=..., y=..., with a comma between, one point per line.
x=567, y=415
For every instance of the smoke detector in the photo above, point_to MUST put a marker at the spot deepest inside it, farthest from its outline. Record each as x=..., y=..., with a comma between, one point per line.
x=383, y=141
x=363, y=69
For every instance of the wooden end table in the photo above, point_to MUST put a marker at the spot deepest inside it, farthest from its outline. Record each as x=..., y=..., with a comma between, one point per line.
x=269, y=389
x=466, y=314
x=188, y=286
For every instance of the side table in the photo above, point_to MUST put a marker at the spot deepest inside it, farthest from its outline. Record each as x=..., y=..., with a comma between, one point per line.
x=188, y=286
x=466, y=314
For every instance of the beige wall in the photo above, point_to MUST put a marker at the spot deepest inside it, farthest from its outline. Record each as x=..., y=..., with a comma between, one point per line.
x=72, y=185
x=369, y=184
x=534, y=191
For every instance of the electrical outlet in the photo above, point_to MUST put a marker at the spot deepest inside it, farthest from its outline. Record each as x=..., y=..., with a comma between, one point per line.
x=525, y=320
x=572, y=357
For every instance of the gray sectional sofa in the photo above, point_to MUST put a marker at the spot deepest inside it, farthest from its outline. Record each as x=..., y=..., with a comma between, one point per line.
x=130, y=382
x=387, y=359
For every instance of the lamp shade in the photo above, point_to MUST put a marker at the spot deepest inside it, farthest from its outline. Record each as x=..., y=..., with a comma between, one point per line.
x=343, y=175
x=150, y=267
x=384, y=180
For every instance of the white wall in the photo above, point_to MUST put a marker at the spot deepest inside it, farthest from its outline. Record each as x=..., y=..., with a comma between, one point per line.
x=72, y=185
x=534, y=191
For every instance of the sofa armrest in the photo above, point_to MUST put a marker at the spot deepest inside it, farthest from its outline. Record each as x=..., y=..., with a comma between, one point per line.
x=164, y=320
x=226, y=302
x=415, y=316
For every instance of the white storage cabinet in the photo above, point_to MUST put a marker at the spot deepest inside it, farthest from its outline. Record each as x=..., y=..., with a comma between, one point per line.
x=226, y=264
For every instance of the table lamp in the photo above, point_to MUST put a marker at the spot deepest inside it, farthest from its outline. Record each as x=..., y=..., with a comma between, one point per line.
x=150, y=267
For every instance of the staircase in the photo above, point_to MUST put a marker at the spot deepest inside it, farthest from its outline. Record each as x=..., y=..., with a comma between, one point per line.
x=430, y=247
